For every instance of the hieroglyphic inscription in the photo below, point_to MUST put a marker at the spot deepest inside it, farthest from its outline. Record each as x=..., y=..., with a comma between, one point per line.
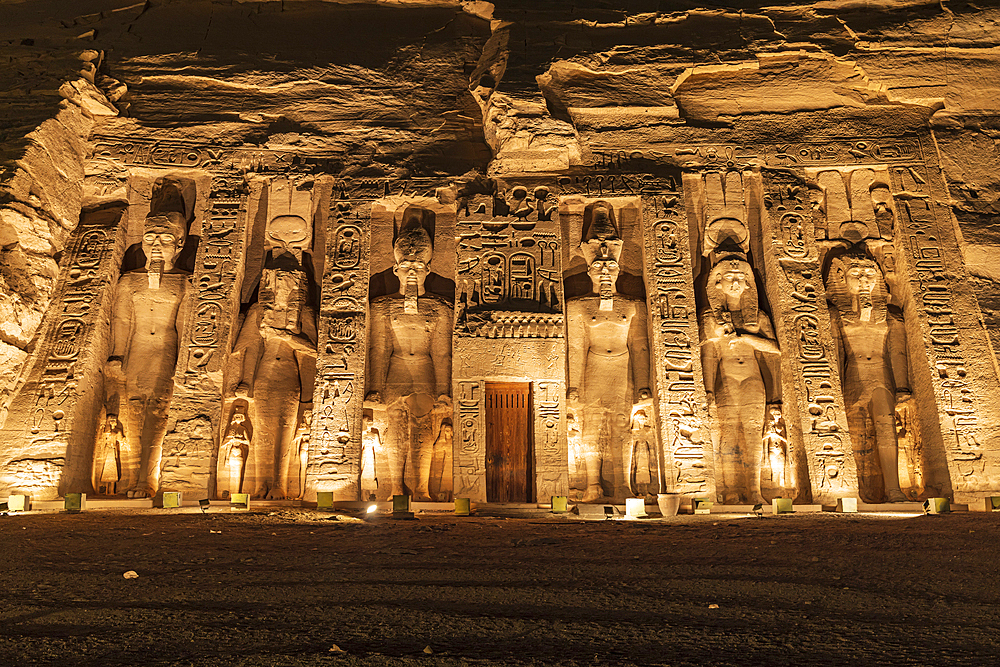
x=215, y=272
x=551, y=477
x=75, y=311
x=929, y=249
x=470, y=450
x=679, y=398
x=802, y=325
x=335, y=444
x=509, y=263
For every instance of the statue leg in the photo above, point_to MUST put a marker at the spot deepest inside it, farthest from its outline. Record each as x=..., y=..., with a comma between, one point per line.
x=130, y=456
x=593, y=421
x=423, y=454
x=752, y=424
x=284, y=454
x=884, y=415
x=397, y=444
x=729, y=452
x=154, y=427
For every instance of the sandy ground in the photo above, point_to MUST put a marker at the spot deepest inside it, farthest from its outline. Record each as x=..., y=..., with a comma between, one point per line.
x=284, y=587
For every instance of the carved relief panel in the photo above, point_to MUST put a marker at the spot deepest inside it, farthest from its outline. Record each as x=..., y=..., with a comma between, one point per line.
x=686, y=462
x=48, y=430
x=341, y=452
x=815, y=413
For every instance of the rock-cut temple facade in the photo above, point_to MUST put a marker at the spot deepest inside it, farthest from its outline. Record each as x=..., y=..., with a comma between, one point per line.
x=452, y=250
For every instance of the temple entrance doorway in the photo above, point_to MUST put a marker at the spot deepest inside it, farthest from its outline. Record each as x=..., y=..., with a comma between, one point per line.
x=508, y=442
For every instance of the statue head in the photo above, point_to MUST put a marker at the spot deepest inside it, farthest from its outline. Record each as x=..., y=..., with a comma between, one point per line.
x=855, y=285
x=163, y=237
x=732, y=289
x=112, y=422
x=238, y=418
x=604, y=274
x=413, y=251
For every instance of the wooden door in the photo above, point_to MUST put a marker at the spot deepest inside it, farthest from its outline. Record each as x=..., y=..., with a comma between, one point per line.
x=508, y=442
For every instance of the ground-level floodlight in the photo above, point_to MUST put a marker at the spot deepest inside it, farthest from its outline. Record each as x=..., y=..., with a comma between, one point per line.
x=702, y=505
x=847, y=505
x=171, y=499
x=75, y=502
x=782, y=506
x=17, y=503
x=204, y=503
x=401, y=507
x=560, y=504
x=463, y=506
x=635, y=508
x=239, y=502
x=371, y=509
x=936, y=506
x=324, y=500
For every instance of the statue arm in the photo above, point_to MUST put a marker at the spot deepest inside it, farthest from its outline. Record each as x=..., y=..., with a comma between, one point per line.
x=898, y=357
x=441, y=350
x=764, y=341
x=709, y=353
x=380, y=347
x=838, y=337
x=122, y=315
x=249, y=343
x=638, y=350
x=578, y=343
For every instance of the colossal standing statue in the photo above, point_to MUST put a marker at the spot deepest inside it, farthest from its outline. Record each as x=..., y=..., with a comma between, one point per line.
x=608, y=359
x=278, y=344
x=147, y=317
x=874, y=371
x=740, y=358
x=410, y=361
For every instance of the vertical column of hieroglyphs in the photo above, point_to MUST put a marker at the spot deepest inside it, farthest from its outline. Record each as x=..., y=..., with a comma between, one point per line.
x=190, y=443
x=336, y=461
x=509, y=326
x=49, y=430
x=961, y=373
x=802, y=322
x=679, y=398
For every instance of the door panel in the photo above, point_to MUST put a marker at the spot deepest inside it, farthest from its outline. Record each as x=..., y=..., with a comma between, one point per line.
x=508, y=442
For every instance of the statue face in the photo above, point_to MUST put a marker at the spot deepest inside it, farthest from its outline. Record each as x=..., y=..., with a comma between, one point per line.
x=734, y=283
x=160, y=243
x=113, y=422
x=604, y=271
x=861, y=279
x=411, y=272
x=238, y=418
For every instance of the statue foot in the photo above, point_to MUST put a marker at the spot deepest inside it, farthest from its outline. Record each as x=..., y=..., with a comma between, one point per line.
x=593, y=494
x=260, y=494
x=896, y=496
x=276, y=494
x=137, y=493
